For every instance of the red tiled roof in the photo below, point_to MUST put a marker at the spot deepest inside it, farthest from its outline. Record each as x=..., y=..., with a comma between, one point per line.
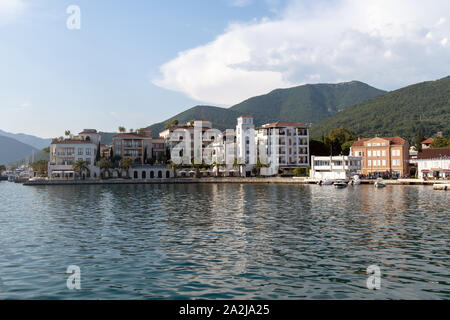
x=360, y=142
x=434, y=153
x=245, y=116
x=393, y=140
x=428, y=141
x=282, y=124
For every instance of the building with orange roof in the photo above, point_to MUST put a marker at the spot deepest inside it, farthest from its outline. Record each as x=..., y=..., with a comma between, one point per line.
x=382, y=156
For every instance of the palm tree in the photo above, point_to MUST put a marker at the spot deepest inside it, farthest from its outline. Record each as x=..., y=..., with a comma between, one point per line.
x=122, y=129
x=67, y=133
x=125, y=164
x=80, y=166
x=174, y=167
x=104, y=165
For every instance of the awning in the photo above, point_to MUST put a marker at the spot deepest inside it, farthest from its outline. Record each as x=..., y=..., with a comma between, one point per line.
x=436, y=169
x=447, y=170
x=425, y=170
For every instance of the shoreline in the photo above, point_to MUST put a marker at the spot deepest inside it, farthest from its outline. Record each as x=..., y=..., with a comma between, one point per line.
x=235, y=180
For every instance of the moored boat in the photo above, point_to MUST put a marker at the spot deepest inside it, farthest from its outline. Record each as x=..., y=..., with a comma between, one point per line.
x=380, y=184
x=340, y=184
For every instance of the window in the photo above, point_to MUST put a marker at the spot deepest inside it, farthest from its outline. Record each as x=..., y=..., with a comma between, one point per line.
x=369, y=153
x=378, y=153
x=88, y=161
x=369, y=144
x=369, y=163
x=383, y=153
x=80, y=151
x=384, y=163
x=88, y=151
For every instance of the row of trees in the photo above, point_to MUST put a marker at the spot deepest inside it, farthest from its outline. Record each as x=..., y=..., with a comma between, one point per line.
x=336, y=142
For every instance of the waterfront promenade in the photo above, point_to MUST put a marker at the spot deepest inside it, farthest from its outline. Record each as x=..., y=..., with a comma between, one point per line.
x=252, y=180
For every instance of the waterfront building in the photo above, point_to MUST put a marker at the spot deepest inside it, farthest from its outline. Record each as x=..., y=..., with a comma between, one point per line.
x=382, y=156
x=286, y=145
x=335, y=168
x=433, y=163
x=182, y=140
x=245, y=145
x=140, y=147
x=65, y=152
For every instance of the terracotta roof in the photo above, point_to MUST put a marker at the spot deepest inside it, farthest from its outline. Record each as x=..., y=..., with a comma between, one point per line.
x=434, y=153
x=245, y=116
x=73, y=142
x=428, y=141
x=393, y=140
x=360, y=142
x=282, y=124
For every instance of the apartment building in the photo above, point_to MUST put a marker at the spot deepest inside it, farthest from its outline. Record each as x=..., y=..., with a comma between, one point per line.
x=182, y=140
x=335, y=168
x=286, y=145
x=433, y=163
x=140, y=147
x=382, y=156
x=246, y=144
x=64, y=153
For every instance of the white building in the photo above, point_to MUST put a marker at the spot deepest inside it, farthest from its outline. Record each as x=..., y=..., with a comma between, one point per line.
x=64, y=153
x=335, y=168
x=286, y=145
x=433, y=163
x=245, y=144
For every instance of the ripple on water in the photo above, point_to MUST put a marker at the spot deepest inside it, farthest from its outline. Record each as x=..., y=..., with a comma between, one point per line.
x=223, y=241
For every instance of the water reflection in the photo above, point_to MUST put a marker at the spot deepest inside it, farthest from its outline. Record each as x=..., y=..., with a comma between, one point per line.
x=223, y=241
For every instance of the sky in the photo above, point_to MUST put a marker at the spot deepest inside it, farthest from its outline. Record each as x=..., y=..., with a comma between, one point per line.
x=134, y=63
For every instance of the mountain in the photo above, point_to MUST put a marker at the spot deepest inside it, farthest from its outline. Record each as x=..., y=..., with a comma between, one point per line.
x=30, y=140
x=306, y=104
x=404, y=112
x=13, y=150
x=39, y=155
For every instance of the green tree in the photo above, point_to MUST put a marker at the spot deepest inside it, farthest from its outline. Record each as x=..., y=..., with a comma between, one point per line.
x=122, y=129
x=420, y=137
x=125, y=164
x=67, y=133
x=41, y=167
x=443, y=142
x=171, y=124
x=46, y=150
x=105, y=165
x=2, y=168
x=97, y=156
x=80, y=167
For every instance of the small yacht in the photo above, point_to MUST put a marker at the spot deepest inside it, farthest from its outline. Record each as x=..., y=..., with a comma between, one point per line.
x=340, y=184
x=380, y=184
x=325, y=183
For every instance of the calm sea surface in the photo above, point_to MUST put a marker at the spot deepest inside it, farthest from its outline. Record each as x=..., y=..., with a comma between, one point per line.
x=223, y=241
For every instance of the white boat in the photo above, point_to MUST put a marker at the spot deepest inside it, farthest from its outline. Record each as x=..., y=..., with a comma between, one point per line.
x=340, y=184
x=380, y=184
x=325, y=183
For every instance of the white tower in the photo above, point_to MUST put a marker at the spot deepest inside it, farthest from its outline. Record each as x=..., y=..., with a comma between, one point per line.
x=245, y=143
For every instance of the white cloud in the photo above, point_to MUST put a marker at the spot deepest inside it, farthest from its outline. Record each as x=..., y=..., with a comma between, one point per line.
x=385, y=43
x=10, y=10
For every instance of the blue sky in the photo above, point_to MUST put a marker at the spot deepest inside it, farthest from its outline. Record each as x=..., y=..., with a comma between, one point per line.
x=134, y=63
